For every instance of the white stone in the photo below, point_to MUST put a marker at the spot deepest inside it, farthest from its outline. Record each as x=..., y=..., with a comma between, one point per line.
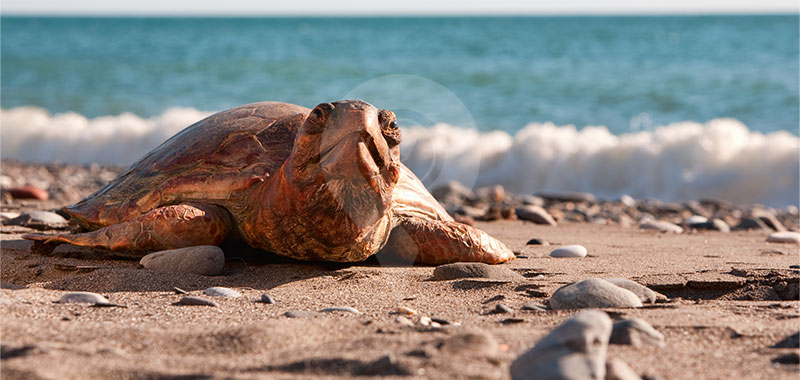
x=569, y=251
x=218, y=291
x=83, y=297
x=645, y=294
x=695, y=219
x=535, y=214
x=784, y=237
x=660, y=225
x=593, y=293
x=574, y=350
x=636, y=332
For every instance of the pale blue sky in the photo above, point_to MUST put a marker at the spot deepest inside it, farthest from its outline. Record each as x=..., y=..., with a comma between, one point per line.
x=375, y=7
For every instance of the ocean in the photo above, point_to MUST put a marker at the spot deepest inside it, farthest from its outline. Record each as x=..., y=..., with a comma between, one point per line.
x=672, y=107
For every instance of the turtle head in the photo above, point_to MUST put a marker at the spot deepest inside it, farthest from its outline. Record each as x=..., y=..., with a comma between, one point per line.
x=348, y=151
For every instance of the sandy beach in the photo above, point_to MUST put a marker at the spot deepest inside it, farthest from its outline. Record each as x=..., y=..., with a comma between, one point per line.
x=729, y=298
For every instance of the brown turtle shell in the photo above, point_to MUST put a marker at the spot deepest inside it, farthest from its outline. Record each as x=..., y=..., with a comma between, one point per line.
x=216, y=160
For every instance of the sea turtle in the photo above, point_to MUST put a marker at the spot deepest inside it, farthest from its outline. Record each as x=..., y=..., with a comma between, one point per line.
x=321, y=184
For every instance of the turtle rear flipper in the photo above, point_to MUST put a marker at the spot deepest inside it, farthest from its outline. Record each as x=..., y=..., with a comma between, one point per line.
x=169, y=227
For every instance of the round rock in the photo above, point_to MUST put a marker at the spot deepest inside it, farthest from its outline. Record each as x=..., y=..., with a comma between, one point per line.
x=39, y=220
x=219, y=291
x=645, y=294
x=569, y=251
x=535, y=214
x=474, y=270
x=593, y=293
x=660, y=225
x=574, y=350
x=787, y=237
x=636, y=332
x=196, y=301
x=83, y=297
x=206, y=260
x=345, y=309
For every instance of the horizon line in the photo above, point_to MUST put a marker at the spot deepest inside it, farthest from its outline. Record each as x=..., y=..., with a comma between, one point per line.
x=792, y=12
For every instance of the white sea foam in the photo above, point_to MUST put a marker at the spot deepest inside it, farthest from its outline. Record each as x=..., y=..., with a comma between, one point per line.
x=682, y=161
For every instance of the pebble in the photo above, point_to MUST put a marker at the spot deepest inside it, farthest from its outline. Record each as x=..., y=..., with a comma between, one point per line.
x=265, y=298
x=301, y=314
x=219, y=291
x=502, y=309
x=574, y=350
x=619, y=370
x=452, y=193
x=784, y=237
x=405, y=311
x=84, y=297
x=477, y=342
x=346, y=309
x=593, y=293
x=714, y=225
x=427, y=321
x=178, y=290
x=474, y=270
x=196, y=301
x=536, y=241
x=40, y=220
x=695, y=219
x=404, y=321
x=645, y=294
x=770, y=220
x=441, y=321
x=535, y=214
x=533, y=306
x=28, y=192
x=569, y=251
x=206, y=260
x=627, y=200
x=636, y=332
x=660, y=225
x=8, y=215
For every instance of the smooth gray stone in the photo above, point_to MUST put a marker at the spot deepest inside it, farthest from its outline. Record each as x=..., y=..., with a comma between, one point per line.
x=346, y=309
x=751, y=224
x=645, y=294
x=636, y=332
x=786, y=237
x=569, y=251
x=593, y=293
x=265, y=298
x=39, y=220
x=574, y=350
x=452, y=194
x=83, y=297
x=474, y=270
x=533, y=306
x=219, y=291
x=791, y=341
x=768, y=218
x=660, y=225
x=477, y=342
x=196, y=301
x=535, y=214
x=206, y=260
x=301, y=314
x=618, y=370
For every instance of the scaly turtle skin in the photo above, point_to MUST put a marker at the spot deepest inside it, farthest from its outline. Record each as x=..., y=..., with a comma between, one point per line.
x=321, y=184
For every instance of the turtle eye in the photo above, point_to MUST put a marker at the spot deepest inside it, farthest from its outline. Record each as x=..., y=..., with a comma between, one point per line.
x=389, y=128
x=393, y=125
x=318, y=117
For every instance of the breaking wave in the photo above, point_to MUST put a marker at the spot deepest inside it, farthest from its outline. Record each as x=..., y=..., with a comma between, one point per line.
x=720, y=159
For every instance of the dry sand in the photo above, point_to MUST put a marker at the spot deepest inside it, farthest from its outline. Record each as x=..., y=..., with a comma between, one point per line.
x=727, y=308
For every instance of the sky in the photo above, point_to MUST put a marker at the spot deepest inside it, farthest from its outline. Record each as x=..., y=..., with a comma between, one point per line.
x=392, y=7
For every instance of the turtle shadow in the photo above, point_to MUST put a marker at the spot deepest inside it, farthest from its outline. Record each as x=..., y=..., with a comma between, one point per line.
x=73, y=268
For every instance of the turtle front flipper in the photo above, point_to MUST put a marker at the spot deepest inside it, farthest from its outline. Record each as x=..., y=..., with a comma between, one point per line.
x=436, y=242
x=168, y=227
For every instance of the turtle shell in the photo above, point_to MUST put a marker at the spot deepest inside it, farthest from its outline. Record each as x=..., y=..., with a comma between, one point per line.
x=216, y=160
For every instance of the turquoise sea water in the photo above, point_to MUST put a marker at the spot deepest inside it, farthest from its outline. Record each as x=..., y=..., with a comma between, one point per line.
x=508, y=72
